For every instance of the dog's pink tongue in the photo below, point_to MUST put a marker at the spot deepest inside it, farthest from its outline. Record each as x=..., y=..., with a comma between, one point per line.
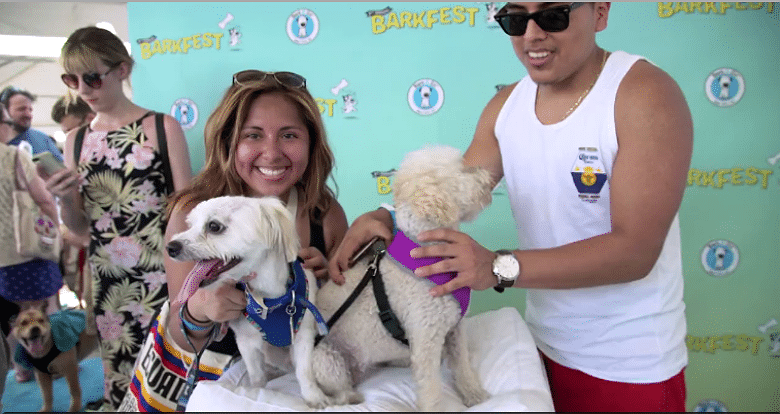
x=203, y=270
x=35, y=346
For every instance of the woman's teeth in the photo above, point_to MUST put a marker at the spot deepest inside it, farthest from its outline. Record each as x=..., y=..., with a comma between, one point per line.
x=271, y=172
x=538, y=55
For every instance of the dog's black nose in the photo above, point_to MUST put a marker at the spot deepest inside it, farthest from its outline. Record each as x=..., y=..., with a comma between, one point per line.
x=174, y=248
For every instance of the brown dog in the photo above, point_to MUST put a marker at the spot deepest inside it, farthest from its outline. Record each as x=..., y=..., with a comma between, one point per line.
x=33, y=329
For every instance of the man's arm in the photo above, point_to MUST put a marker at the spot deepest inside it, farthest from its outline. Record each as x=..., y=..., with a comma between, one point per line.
x=482, y=152
x=655, y=138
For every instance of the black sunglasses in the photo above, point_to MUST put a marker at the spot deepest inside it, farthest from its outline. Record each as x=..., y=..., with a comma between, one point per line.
x=93, y=80
x=9, y=123
x=290, y=79
x=554, y=19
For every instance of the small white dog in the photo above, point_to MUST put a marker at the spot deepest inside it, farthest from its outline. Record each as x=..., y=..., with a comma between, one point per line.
x=253, y=240
x=432, y=189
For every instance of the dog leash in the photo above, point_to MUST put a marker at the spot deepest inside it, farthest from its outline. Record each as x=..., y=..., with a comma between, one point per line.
x=386, y=314
x=194, y=368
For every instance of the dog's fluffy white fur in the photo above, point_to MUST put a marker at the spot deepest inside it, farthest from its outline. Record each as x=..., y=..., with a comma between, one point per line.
x=261, y=233
x=432, y=189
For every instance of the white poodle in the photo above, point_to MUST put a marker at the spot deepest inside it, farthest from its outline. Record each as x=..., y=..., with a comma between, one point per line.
x=253, y=241
x=431, y=189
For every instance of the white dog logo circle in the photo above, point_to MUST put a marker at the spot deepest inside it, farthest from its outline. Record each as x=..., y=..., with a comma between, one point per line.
x=425, y=96
x=719, y=258
x=724, y=87
x=302, y=26
x=186, y=112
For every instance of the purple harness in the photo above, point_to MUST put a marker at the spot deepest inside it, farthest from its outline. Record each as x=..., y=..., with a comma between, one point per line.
x=399, y=249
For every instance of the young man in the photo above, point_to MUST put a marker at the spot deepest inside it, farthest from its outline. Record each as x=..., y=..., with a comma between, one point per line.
x=19, y=103
x=70, y=113
x=595, y=149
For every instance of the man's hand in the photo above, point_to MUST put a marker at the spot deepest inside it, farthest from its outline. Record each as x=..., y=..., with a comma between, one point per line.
x=472, y=263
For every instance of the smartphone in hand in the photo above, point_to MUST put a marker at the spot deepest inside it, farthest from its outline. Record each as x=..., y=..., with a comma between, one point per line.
x=374, y=245
x=49, y=162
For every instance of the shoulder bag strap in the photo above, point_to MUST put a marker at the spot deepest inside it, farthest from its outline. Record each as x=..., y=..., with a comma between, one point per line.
x=77, y=144
x=20, y=180
x=163, y=148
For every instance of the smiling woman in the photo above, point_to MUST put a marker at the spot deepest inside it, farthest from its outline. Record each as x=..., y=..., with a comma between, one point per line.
x=265, y=138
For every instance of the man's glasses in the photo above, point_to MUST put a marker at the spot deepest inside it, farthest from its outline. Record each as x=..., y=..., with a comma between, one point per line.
x=554, y=19
x=290, y=79
x=93, y=80
x=9, y=123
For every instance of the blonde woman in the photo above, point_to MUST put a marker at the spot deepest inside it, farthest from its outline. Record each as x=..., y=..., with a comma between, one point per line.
x=115, y=188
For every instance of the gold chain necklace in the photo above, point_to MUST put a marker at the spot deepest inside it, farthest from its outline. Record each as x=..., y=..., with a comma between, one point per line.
x=585, y=93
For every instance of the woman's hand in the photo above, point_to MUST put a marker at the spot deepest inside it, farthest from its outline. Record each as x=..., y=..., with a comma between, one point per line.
x=363, y=229
x=63, y=184
x=219, y=302
x=314, y=260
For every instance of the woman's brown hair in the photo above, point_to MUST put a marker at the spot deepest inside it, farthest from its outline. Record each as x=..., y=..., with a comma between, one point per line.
x=219, y=176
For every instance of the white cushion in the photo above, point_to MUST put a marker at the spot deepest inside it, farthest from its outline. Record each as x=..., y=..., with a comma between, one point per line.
x=502, y=350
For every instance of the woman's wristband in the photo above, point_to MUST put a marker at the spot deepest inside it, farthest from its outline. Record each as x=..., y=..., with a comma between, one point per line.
x=194, y=319
x=191, y=326
x=187, y=327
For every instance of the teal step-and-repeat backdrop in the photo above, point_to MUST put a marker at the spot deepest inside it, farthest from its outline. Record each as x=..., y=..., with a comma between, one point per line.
x=367, y=63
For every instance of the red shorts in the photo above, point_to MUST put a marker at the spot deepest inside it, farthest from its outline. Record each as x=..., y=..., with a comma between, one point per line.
x=574, y=391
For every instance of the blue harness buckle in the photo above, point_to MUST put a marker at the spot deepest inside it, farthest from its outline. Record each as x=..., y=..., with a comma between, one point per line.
x=268, y=315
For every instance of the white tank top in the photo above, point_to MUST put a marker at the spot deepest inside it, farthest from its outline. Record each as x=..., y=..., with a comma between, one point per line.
x=558, y=177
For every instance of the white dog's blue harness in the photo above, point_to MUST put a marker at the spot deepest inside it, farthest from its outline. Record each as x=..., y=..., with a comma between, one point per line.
x=278, y=319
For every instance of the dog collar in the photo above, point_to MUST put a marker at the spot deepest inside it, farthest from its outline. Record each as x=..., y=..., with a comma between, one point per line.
x=400, y=248
x=279, y=318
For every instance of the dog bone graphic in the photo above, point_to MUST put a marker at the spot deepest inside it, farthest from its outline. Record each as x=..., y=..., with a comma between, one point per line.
x=774, y=160
x=765, y=327
x=339, y=87
x=225, y=21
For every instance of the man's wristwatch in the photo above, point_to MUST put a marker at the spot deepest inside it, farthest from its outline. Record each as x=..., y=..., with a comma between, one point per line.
x=506, y=268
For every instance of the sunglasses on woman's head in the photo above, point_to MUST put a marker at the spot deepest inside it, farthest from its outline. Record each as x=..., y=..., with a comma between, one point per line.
x=553, y=19
x=290, y=79
x=93, y=80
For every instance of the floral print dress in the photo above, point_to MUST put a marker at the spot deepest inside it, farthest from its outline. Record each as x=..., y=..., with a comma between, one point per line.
x=124, y=192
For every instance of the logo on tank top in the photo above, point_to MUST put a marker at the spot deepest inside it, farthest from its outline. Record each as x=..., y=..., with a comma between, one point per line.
x=589, y=174
x=186, y=112
x=719, y=258
x=724, y=87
